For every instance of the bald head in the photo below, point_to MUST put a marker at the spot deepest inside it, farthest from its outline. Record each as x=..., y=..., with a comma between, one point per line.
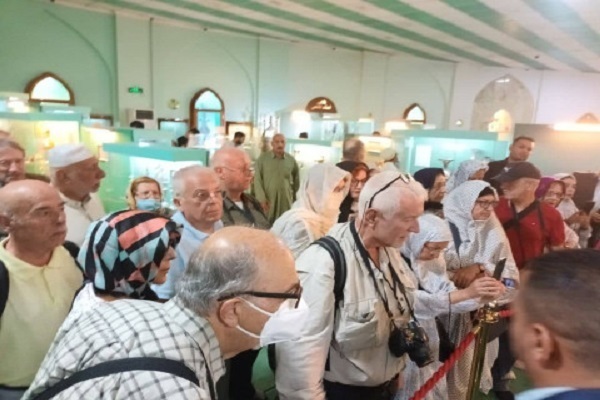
x=235, y=260
x=32, y=212
x=225, y=156
x=21, y=196
x=234, y=169
x=186, y=177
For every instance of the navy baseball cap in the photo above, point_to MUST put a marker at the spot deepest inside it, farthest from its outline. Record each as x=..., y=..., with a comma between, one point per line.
x=519, y=170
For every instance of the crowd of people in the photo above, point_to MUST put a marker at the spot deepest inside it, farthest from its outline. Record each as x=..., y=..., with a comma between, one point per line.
x=358, y=280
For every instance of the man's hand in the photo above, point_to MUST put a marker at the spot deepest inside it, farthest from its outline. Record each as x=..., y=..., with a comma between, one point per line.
x=464, y=276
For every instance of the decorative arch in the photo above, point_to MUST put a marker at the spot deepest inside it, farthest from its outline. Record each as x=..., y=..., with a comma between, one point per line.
x=588, y=118
x=415, y=114
x=321, y=105
x=504, y=93
x=207, y=110
x=50, y=88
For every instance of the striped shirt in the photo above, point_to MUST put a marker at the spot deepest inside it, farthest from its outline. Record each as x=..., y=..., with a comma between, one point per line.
x=126, y=329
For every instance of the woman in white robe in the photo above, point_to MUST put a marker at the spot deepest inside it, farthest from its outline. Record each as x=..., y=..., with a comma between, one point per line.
x=467, y=170
x=437, y=295
x=316, y=209
x=469, y=209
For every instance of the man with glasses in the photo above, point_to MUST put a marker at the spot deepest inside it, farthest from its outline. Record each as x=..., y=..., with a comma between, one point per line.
x=198, y=198
x=532, y=228
x=347, y=352
x=234, y=169
x=239, y=291
x=235, y=172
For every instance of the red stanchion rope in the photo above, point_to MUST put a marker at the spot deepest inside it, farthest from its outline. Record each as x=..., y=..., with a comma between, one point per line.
x=505, y=313
x=443, y=370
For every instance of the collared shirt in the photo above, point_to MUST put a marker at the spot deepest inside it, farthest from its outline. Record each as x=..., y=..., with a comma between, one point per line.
x=80, y=215
x=542, y=393
x=133, y=328
x=251, y=215
x=356, y=343
x=39, y=299
x=191, y=240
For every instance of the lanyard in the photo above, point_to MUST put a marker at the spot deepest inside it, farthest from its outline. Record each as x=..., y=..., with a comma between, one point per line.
x=365, y=257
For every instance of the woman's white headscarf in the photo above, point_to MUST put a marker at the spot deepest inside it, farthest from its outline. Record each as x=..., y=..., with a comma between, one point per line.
x=463, y=173
x=482, y=242
x=566, y=207
x=316, y=208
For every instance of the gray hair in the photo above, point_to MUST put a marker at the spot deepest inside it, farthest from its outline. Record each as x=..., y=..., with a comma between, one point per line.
x=179, y=178
x=388, y=201
x=215, y=273
x=352, y=149
x=10, y=143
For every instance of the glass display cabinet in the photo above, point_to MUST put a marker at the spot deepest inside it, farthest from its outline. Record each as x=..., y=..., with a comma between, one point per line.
x=419, y=149
x=374, y=145
x=311, y=152
x=126, y=161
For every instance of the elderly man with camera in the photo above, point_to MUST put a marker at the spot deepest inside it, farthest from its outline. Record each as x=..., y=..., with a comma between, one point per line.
x=360, y=327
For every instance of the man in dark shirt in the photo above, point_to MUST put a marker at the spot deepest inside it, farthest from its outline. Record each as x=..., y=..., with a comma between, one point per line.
x=235, y=173
x=555, y=328
x=233, y=167
x=519, y=151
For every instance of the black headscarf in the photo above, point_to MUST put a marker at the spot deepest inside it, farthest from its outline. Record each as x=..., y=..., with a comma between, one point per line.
x=426, y=176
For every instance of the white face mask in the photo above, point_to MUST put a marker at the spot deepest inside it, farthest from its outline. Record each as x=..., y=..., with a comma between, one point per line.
x=286, y=324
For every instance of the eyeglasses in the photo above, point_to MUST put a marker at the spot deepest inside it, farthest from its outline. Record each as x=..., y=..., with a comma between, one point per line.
x=356, y=182
x=402, y=177
x=244, y=171
x=434, y=249
x=558, y=195
x=269, y=295
x=205, y=195
x=486, y=205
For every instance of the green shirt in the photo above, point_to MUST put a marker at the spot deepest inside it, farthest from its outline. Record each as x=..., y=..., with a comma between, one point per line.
x=276, y=181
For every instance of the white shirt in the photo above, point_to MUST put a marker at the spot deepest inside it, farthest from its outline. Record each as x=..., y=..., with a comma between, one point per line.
x=80, y=215
x=541, y=393
x=359, y=353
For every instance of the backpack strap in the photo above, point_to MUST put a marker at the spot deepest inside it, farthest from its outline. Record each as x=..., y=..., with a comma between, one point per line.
x=4, y=286
x=455, y=236
x=107, y=368
x=336, y=253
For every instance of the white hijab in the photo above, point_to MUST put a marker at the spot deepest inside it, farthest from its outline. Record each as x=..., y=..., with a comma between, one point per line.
x=482, y=242
x=463, y=173
x=567, y=206
x=316, y=208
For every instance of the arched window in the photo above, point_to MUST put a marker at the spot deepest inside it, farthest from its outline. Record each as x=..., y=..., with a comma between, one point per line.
x=321, y=105
x=49, y=88
x=207, y=111
x=415, y=114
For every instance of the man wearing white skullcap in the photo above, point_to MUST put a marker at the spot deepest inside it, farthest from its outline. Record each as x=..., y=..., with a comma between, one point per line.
x=390, y=159
x=74, y=171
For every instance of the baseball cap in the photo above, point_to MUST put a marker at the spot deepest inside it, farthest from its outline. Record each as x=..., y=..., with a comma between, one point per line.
x=519, y=170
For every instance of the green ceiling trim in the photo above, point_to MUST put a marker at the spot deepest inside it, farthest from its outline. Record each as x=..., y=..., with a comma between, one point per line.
x=569, y=21
x=353, y=16
x=223, y=27
x=448, y=28
x=257, y=7
x=508, y=26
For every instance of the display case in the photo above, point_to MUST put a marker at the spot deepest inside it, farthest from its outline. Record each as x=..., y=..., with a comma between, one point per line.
x=311, y=152
x=419, y=149
x=38, y=132
x=127, y=161
x=374, y=145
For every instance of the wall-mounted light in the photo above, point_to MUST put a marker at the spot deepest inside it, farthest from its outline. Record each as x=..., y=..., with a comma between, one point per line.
x=396, y=126
x=574, y=127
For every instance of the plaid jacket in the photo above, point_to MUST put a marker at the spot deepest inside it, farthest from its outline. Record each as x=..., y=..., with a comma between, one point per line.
x=132, y=328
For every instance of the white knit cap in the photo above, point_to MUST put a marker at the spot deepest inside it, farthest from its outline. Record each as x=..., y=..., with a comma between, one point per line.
x=67, y=154
x=388, y=154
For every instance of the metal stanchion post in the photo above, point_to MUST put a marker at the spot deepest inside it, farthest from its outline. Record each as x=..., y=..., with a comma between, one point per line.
x=486, y=316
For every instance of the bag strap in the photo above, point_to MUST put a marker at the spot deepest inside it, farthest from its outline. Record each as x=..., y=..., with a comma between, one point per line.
x=4, y=286
x=173, y=367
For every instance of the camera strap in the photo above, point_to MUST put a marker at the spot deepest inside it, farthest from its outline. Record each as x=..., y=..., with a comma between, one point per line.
x=398, y=282
x=366, y=260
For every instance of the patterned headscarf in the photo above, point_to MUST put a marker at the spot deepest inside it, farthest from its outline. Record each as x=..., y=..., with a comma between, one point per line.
x=122, y=251
x=463, y=173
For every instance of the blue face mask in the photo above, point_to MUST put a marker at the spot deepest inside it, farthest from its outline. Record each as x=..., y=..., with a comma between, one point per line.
x=147, y=204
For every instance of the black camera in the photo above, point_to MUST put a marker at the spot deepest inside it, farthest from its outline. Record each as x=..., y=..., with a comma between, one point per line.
x=412, y=340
